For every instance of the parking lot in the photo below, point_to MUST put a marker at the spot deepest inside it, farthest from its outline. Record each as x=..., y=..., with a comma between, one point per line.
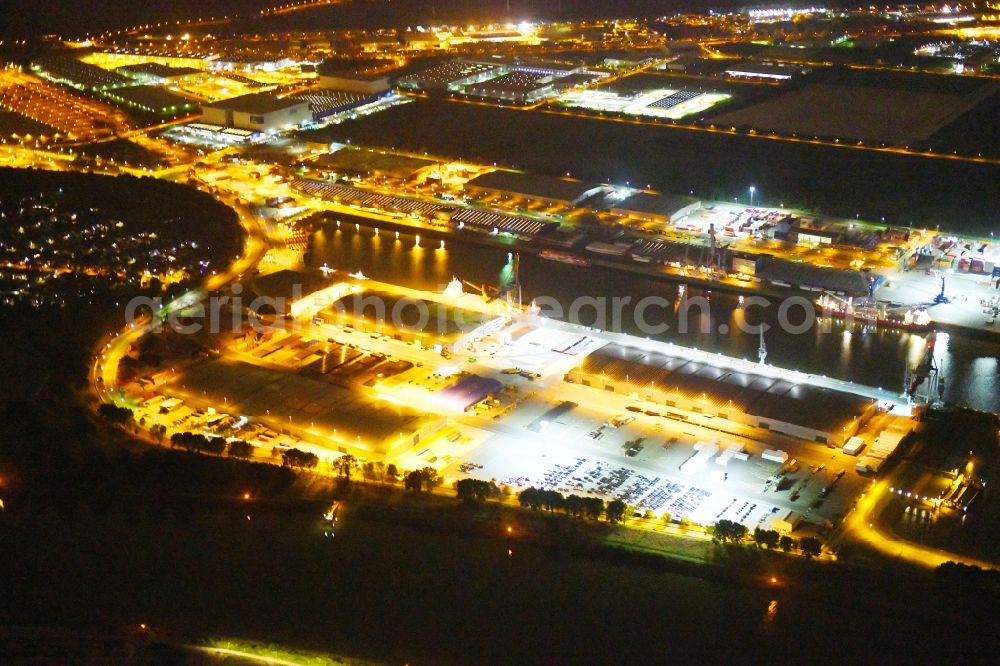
x=76, y=118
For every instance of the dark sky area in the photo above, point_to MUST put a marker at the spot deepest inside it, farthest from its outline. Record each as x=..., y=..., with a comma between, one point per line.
x=37, y=17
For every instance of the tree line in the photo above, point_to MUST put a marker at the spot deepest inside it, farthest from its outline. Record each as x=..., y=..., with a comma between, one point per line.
x=729, y=531
x=573, y=505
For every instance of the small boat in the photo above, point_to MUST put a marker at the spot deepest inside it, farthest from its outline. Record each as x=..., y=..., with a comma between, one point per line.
x=563, y=257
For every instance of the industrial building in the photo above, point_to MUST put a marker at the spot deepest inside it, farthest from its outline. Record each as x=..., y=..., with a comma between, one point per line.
x=356, y=82
x=427, y=323
x=749, y=398
x=766, y=71
x=522, y=87
x=326, y=102
x=467, y=391
x=452, y=75
x=150, y=99
x=154, y=73
x=532, y=187
x=804, y=275
x=346, y=420
x=486, y=221
x=347, y=160
x=656, y=208
x=261, y=112
x=281, y=289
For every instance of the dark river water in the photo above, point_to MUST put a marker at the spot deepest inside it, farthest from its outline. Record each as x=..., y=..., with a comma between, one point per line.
x=715, y=321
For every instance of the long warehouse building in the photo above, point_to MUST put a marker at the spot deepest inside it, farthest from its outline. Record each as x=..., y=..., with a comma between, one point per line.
x=798, y=409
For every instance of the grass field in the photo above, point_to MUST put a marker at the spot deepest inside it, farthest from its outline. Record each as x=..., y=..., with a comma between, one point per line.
x=894, y=117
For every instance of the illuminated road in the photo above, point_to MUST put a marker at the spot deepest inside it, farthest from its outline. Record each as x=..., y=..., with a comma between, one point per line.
x=863, y=525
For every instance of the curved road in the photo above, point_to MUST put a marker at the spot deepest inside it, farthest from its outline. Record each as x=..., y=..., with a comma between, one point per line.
x=863, y=525
x=110, y=350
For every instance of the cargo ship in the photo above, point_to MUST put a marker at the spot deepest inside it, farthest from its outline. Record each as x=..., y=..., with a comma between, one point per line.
x=874, y=314
x=563, y=257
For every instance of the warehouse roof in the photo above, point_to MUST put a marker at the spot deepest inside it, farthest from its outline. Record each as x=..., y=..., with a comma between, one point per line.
x=255, y=390
x=257, y=103
x=427, y=319
x=535, y=186
x=157, y=69
x=364, y=161
x=797, y=403
x=654, y=204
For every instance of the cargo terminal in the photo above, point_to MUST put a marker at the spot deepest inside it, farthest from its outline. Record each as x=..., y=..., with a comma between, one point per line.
x=801, y=410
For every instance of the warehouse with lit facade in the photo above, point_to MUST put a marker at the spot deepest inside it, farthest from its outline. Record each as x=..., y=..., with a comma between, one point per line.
x=534, y=188
x=261, y=112
x=757, y=399
x=656, y=208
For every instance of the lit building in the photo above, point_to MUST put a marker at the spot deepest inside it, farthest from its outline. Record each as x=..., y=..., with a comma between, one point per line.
x=427, y=323
x=260, y=112
x=533, y=187
x=356, y=82
x=755, y=399
x=658, y=208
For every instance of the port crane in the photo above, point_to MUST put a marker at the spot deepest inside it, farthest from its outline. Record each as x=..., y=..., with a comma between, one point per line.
x=924, y=375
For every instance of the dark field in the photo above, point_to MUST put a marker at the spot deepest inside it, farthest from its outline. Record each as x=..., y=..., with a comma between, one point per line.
x=835, y=181
x=15, y=123
x=401, y=594
x=58, y=17
x=879, y=115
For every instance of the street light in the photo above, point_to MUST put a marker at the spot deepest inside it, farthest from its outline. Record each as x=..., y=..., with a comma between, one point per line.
x=752, y=191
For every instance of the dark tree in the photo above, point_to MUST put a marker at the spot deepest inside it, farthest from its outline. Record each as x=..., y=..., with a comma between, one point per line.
x=811, y=546
x=766, y=538
x=729, y=531
x=430, y=477
x=240, y=449
x=298, y=458
x=216, y=445
x=616, y=511
x=529, y=499
x=466, y=490
x=413, y=481
x=114, y=413
x=345, y=465
x=593, y=507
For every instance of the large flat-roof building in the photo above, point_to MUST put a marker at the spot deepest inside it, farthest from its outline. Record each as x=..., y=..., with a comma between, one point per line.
x=523, y=87
x=260, y=112
x=532, y=187
x=366, y=163
x=427, y=323
x=451, y=75
x=657, y=208
x=345, y=420
x=772, y=403
x=356, y=82
x=150, y=99
x=154, y=73
x=326, y=102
